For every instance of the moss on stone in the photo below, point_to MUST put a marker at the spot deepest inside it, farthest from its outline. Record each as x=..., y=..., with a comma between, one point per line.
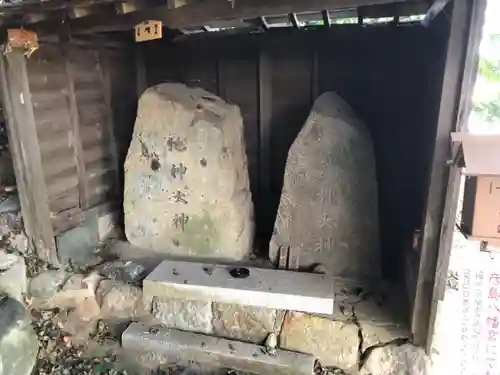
x=200, y=235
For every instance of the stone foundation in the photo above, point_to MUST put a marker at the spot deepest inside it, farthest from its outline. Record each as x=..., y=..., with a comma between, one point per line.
x=347, y=343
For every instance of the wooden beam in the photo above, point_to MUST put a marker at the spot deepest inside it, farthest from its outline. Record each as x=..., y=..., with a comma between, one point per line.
x=79, y=12
x=436, y=8
x=201, y=13
x=326, y=18
x=264, y=23
x=127, y=7
x=475, y=27
x=394, y=9
x=36, y=6
x=456, y=88
x=35, y=17
x=23, y=141
x=294, y=20
x=172, y=4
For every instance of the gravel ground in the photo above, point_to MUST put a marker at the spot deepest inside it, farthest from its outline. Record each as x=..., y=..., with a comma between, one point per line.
x=59, y=356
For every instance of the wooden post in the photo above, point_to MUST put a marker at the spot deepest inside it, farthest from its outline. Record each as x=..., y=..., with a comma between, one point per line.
x=26, y=156
x=452, y=194
x=459, y=77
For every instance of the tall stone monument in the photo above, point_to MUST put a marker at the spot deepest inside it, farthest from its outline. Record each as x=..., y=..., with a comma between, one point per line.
x=186, y=178
x=328, y=212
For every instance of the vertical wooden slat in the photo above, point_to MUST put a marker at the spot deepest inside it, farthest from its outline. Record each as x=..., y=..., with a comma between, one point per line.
x=83, y=183
x=141, y=79
x=219, y=79
x=105, y=76
x=454, y=82
x=452, y=195
x=25, y=149
x=314, y=76
x=265, y=117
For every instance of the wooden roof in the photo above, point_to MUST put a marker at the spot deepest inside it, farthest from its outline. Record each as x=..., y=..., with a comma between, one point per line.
x=90, y=16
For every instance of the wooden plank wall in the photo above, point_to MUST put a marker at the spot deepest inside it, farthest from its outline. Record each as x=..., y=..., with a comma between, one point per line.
x=72, y=94
x=387, y=73
x=50, y=97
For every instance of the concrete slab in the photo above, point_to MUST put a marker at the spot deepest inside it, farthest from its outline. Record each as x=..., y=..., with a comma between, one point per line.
x=207, y=349
x=269, y=288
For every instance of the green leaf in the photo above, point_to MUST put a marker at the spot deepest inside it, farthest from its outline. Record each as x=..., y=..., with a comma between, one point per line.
x=495, y=37
x=489, y=70
x=489, y=111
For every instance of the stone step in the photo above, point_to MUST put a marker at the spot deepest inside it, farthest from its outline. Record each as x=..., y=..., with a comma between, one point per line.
x=261, y=287
x=165, y=345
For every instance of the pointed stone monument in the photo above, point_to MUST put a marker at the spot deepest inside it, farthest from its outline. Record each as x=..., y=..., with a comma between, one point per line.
x=328, y=212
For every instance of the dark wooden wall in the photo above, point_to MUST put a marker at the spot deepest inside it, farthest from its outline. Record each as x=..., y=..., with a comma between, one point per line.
x=389, y=74
x=83, y=116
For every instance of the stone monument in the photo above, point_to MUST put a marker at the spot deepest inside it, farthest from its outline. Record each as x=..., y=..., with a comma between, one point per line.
x=328, y=212
x=186, y=177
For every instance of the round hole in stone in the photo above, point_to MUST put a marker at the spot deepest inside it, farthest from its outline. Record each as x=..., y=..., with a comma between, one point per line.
x=239, y=272
x=155, y=164
x=203, y=162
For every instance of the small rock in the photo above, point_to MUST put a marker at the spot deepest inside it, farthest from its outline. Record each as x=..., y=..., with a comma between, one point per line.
x=76, y=247
x=271, y=344
x=333, y=343
x=18, y=242
x=47, y=284
x=195, y=316
x=66, y=299
x=320, y=268
x=122, y=301
x=74, y=282
x=68, y=294
x=123, y=271
x=18, y=342
x=88, y=309
x=246, y=323
x=376, y=335
x=10, y=222
x=79, y=330
x=13, y=279
x=272, y=341
x=405, y=359
x=92, y=281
